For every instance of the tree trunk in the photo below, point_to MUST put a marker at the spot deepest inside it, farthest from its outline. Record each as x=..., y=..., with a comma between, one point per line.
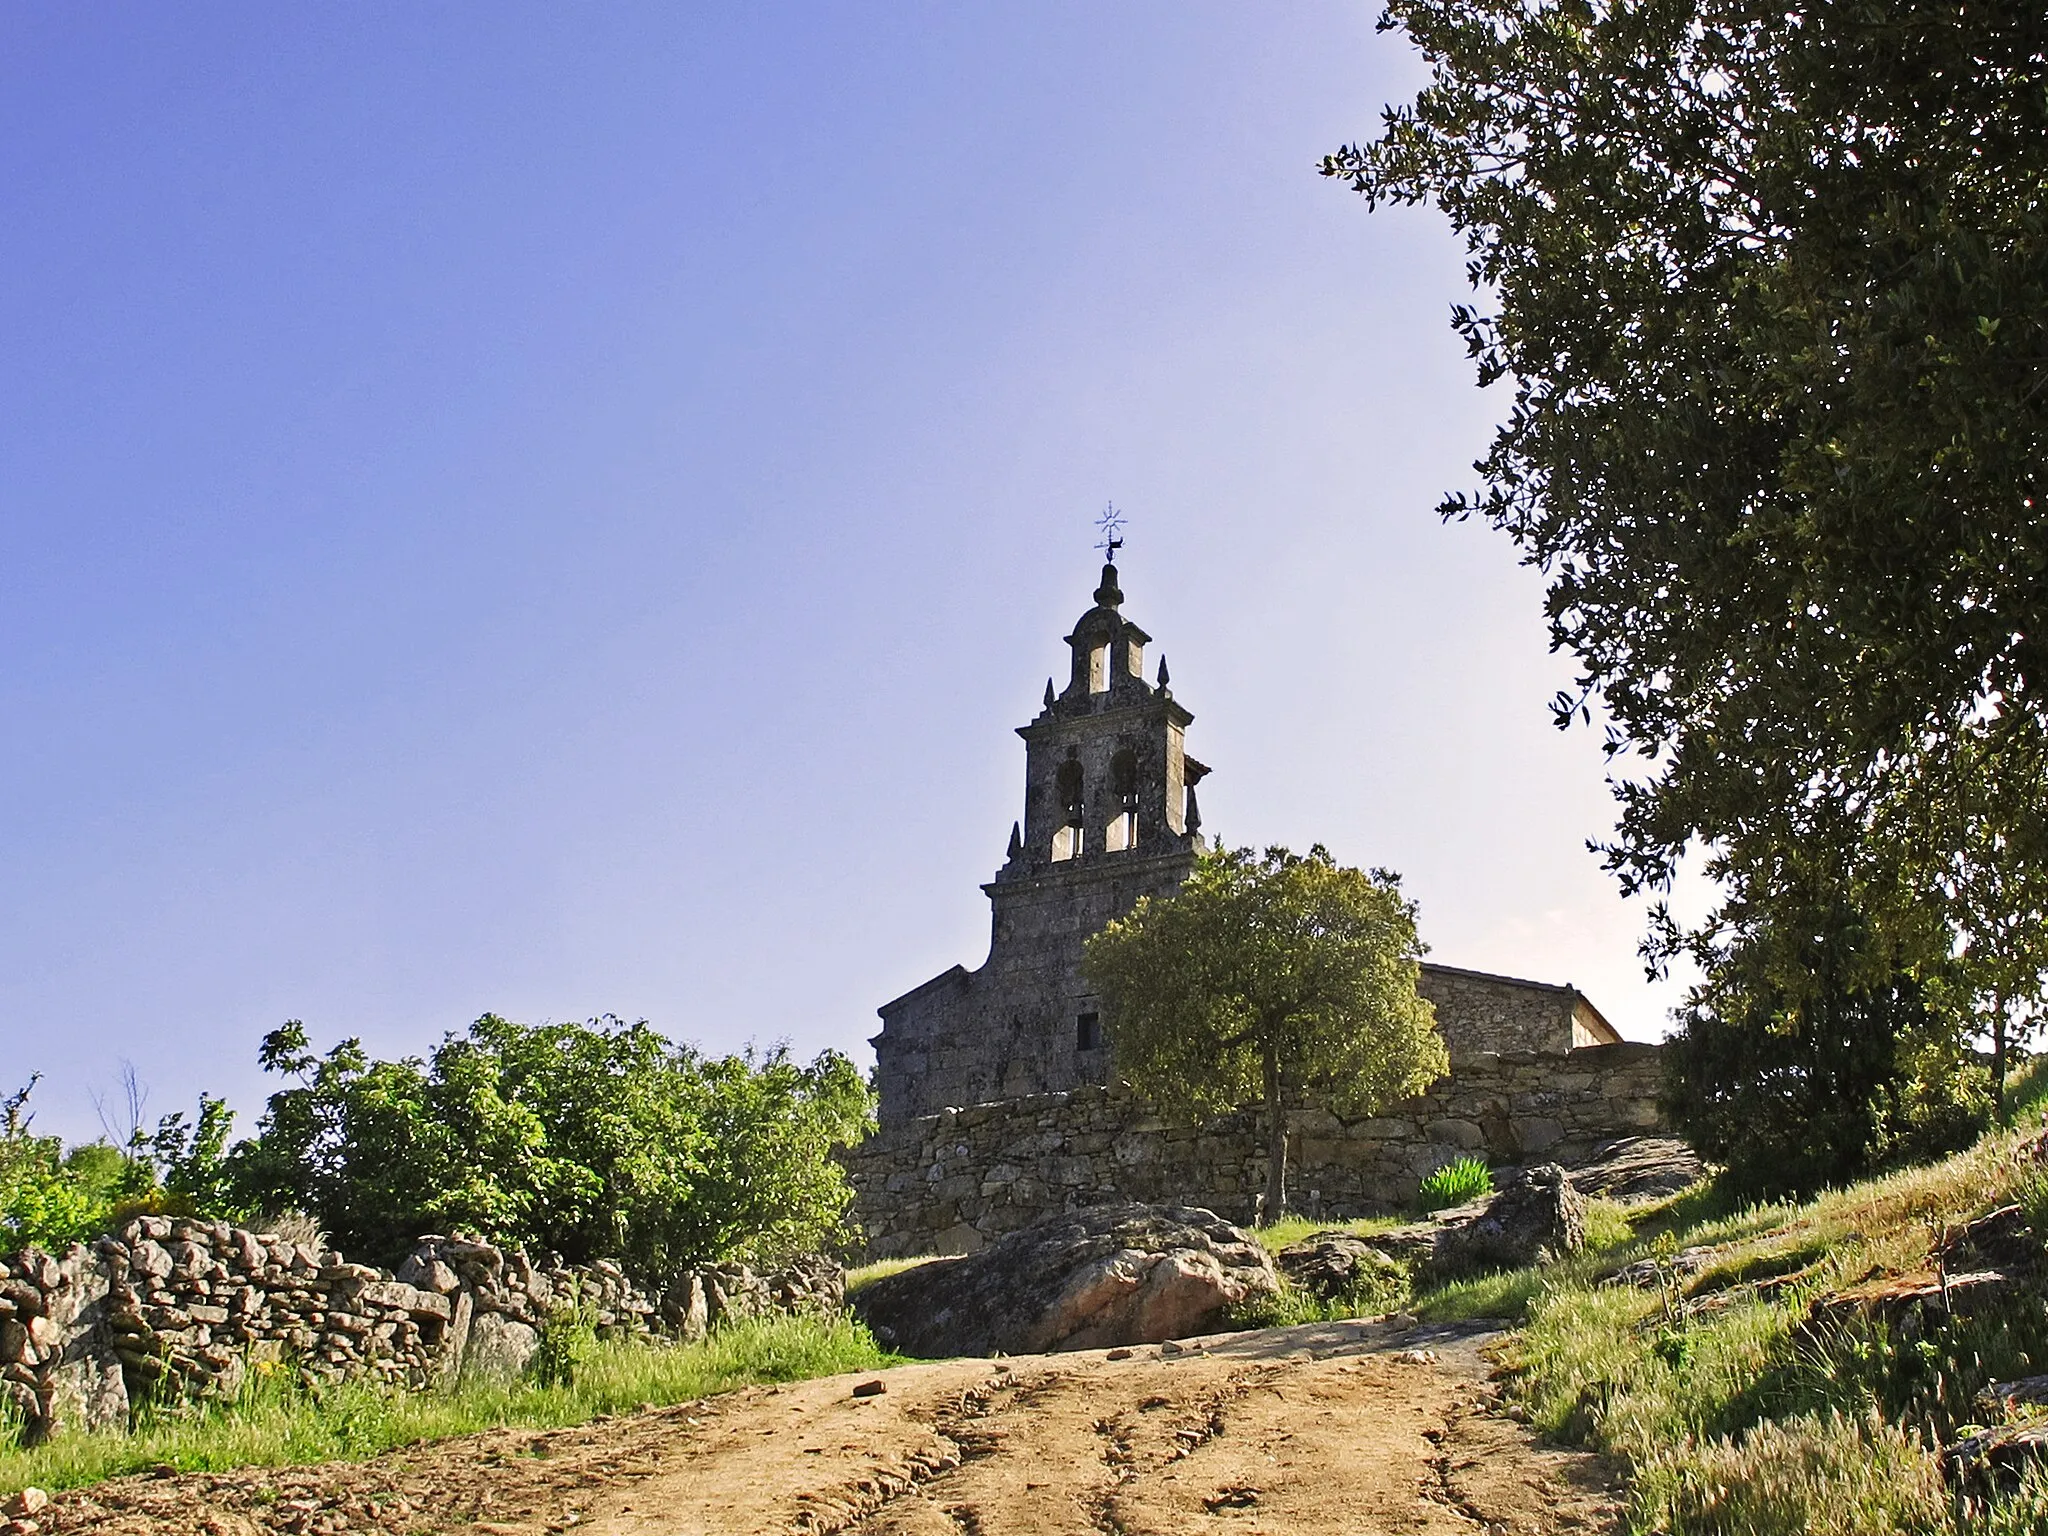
x=1276, y=1141
x=1998, y=1062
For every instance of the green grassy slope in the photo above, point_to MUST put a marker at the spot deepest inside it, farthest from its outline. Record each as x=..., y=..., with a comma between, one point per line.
x=272, y=1424
x=1747, y=1394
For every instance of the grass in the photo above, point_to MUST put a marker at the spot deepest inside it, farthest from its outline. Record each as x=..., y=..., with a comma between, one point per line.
x=1609, y=1224
x=274, y=1424
x=867, y=1274
x=1736, y=1407
x=1505, y=1296
x=1739, y=1411
x=1293, y=1305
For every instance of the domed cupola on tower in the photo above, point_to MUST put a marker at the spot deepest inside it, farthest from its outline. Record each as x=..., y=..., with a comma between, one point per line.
x=1109, y=816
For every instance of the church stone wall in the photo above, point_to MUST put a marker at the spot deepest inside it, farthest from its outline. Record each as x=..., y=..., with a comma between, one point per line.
x=952, y=1181
x=1011, y=1028
x=1477, y=1013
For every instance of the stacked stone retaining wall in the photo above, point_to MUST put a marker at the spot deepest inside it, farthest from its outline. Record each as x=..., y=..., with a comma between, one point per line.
x=950, y=1182
x=169, y=1308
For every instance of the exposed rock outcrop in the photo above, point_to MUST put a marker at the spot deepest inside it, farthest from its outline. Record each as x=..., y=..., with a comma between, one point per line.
x=1540, y=1219
x=1107, y=1275
x=2001, y=1239
x=1332, y=1264
x=1996, y=1460
x=1638, y=1168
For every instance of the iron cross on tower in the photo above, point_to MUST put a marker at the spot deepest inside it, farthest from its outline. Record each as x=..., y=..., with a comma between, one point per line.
x=1112, y=525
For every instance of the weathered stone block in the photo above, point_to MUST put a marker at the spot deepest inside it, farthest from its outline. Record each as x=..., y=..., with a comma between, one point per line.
x=1381, y=1129
x=1457, y=1133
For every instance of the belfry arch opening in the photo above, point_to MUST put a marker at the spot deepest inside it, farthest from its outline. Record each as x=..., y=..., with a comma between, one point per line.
x=1073, y=802
x=1121, y=833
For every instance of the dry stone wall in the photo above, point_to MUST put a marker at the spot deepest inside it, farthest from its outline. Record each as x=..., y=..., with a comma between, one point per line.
x=170, y=1308
x=953, y=1181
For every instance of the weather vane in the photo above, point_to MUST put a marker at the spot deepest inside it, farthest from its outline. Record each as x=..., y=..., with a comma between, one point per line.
x=1112, y=525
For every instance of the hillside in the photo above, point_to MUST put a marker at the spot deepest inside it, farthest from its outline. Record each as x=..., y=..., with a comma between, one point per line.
x=1866, y=1362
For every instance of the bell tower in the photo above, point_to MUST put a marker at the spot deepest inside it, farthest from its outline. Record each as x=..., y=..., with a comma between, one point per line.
x=1109, y=815
x=1105, y=771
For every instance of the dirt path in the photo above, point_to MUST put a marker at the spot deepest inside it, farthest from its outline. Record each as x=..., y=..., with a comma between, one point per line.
x=1338, y=1428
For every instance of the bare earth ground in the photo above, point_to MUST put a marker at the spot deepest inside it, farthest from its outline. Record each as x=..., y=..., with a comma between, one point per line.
x=1341, y=1428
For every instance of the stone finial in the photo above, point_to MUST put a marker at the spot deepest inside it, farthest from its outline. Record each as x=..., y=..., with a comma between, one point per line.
x=1051, y=698
x=1163, y=678
x=1194, y=816
x=1016, y=839
x=1109, y=594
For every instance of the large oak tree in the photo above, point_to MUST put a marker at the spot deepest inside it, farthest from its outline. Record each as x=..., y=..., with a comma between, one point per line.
x=1770, y=282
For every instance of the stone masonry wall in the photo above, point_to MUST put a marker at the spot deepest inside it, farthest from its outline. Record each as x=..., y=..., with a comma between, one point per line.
x=174, y=1308
x=1478, y=1014
x=950, y=1182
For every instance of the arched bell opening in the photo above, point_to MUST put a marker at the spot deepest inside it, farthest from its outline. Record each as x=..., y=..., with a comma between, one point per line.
x=1121, y=834
x=1066, y=837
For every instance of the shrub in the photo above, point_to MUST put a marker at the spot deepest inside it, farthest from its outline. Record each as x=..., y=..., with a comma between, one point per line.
x=1455, y=1183
x=50, y=1196
x=566, y=1340
x=599, y=1140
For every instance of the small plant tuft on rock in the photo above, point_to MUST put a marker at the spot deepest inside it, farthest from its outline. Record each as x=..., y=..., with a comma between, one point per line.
x=1455, y=1183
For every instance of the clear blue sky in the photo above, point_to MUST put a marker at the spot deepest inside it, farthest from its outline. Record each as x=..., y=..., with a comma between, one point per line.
x=559, y=509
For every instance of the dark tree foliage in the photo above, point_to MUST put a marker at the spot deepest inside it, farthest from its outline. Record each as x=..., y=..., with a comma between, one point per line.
x=600, y=1140
x=1796, y=1071
x=1772, y=286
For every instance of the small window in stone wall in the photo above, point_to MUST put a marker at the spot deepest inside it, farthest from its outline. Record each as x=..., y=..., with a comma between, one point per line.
x=1088, y=1032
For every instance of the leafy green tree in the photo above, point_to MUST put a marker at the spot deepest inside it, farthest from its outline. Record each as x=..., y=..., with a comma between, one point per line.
x=1986, y=865
x=592, y=1140
x=772, y=1124
x=50, y=1196
x=1264, y=977
x=1772, y=286
x=1796, y=1069
x=190, y=1160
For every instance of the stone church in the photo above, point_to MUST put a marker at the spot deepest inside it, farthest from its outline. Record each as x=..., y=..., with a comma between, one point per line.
x=1110, y=815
